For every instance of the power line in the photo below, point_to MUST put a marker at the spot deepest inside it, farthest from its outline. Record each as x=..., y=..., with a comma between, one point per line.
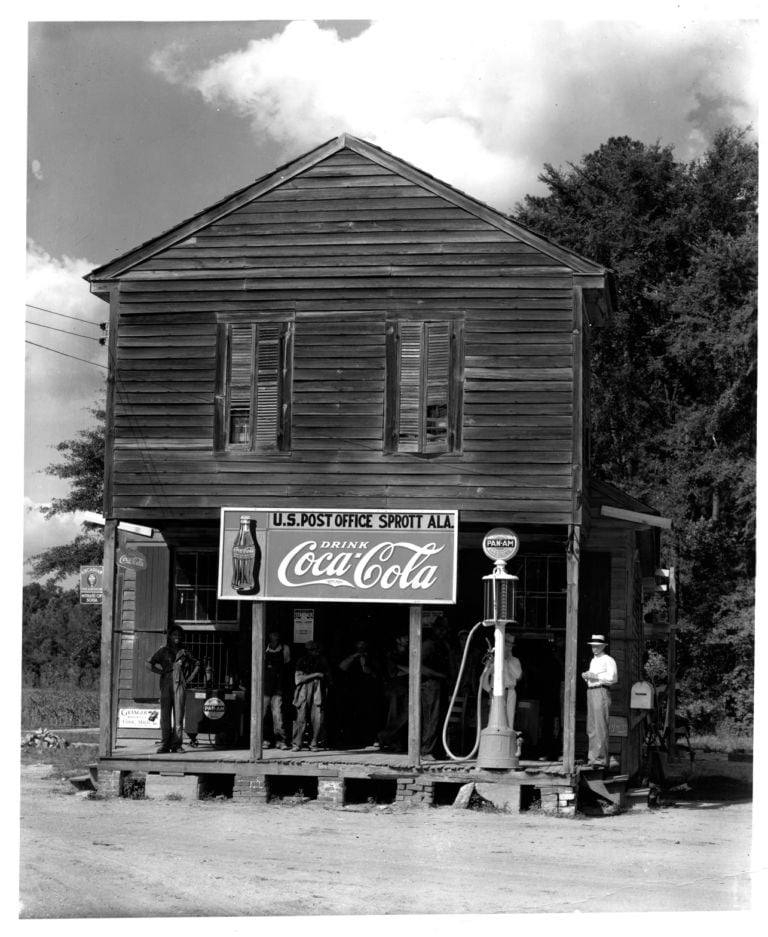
x=64, y=331
x=56, y=352
x=63, y=315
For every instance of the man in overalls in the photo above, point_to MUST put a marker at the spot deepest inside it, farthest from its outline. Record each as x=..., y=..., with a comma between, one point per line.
x=177, y=668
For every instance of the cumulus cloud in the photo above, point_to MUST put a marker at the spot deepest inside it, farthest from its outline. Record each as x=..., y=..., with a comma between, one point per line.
x=484, y=103
x=64, y=377
x=41, y=532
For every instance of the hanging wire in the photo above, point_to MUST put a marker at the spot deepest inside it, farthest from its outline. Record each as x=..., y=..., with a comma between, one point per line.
x=64, y=353
x=63, y=315
x=63, y=331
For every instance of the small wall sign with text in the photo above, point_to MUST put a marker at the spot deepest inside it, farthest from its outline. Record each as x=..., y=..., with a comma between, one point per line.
x=138, y=718
x=91, y=585
x=131, y=559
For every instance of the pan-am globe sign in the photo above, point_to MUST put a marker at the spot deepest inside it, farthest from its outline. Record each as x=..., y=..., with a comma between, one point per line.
x=501, y=544
x=322, y=555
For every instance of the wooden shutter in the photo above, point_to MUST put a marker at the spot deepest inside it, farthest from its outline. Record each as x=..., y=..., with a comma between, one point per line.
x=437, y=386
x=410, y=387
x=151, y=621
x=240, y=385
x=268, y=375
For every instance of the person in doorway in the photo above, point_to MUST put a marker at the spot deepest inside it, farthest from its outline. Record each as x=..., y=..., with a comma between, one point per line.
x=601, y=675
x=277, y=659
x=511, y=673
x=392, y=735
x=435, y=667
x=550, y=680
x=177, y=669
x=362, y=696
x=311, y=678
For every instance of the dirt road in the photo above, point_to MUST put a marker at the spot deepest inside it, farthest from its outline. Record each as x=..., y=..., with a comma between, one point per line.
x=165, y=857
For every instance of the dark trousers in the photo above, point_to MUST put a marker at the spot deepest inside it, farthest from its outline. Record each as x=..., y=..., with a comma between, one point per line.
x=172, y=703
x=430, y=715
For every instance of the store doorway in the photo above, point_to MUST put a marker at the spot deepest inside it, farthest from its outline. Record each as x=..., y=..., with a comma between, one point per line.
x=356, y=645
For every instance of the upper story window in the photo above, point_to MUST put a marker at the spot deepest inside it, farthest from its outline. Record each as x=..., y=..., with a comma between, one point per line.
x=254, y=386
x=424, y=373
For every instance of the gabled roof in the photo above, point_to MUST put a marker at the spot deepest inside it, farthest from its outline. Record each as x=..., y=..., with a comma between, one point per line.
x=186, y=229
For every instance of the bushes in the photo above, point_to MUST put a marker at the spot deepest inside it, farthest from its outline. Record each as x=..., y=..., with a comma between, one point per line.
x=59, y=708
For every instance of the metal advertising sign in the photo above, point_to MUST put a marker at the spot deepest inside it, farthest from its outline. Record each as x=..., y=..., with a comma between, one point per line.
x=501, y=544
x=131, y=559
x=138, y=718
x=303, y=625
x=91, y=585
x=406, y=557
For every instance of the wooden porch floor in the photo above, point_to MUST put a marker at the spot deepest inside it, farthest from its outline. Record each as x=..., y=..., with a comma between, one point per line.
x=141, y=755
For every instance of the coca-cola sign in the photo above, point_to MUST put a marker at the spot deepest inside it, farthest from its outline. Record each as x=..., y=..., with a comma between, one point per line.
x=404, y=557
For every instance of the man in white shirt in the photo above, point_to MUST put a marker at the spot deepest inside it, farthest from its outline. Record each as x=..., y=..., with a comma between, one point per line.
x=601, y=675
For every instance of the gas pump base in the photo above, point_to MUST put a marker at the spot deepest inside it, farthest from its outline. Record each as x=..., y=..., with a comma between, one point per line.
x=497, y=749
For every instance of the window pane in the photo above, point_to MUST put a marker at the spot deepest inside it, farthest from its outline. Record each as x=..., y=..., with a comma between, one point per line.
x=438, y=359
x=206, y=605
x=184, y=605
x=207, y=569
x=239, y=425
x=557, y=575
x=186, y=569
x=556, y=611
x=536, y=574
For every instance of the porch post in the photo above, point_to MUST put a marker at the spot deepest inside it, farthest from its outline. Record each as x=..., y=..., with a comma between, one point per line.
x=107, y=640
x=257, y=681
x=571, y=647
x=414, y=686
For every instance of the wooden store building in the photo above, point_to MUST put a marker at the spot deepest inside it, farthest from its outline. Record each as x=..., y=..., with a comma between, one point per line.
x=376, y=370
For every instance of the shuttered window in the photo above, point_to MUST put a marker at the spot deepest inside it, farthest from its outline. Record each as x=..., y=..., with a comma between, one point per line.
x=255, y=396
x=425, y=391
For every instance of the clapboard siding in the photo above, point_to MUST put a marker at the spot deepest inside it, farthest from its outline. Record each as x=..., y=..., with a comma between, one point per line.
x=338, y=249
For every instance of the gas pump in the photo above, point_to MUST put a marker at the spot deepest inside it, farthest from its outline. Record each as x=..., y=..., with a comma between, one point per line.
x=496, y=745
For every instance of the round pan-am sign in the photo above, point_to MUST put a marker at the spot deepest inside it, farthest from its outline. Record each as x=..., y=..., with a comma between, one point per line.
x=501, y=544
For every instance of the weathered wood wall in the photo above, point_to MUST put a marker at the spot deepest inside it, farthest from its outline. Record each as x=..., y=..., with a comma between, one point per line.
x=340, y=247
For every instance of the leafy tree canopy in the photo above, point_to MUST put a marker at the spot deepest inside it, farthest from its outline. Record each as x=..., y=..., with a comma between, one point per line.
x=675, y=369
x=83, y=468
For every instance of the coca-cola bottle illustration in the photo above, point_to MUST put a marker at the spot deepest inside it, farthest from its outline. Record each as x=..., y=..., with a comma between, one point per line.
x=246, y=558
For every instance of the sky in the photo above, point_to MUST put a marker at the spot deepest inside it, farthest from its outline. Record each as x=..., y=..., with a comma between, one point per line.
x=136, y=123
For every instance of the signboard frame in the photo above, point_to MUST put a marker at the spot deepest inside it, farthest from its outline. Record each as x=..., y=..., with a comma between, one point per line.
x=92, y=594
x=420, y=544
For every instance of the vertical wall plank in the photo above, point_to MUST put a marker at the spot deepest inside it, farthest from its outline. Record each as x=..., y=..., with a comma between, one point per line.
x=107, y=638
x=571, y=647
x=257, y=680
x=414, y=686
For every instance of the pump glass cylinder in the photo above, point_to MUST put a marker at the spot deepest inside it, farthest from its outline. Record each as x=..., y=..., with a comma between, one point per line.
x=499, y=597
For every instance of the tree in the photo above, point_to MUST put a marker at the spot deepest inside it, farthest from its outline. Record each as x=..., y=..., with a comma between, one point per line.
x=83, y=467
x=60, y=638
x=674, y=399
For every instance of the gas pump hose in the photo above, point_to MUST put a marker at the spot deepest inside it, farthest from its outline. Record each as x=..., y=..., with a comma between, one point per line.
x=486, y=668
